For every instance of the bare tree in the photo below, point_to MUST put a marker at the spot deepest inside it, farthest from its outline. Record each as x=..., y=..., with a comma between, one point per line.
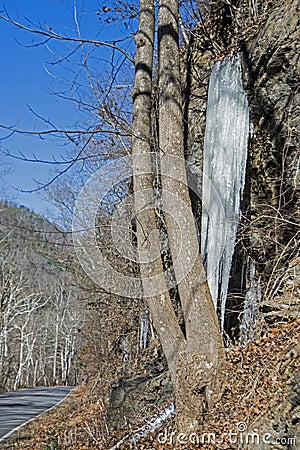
x=195, y=354
x=148, y=239
x=39, y=308
x=201, y=360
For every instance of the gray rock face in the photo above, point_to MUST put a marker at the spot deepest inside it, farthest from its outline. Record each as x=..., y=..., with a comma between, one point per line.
x=286, y=306
x=272, y=59
x=134, y=399
x=273, y=79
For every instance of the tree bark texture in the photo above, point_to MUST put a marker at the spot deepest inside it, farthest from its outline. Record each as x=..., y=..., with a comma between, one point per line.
x=197, y=358
x=200, y=362
x=160, y=305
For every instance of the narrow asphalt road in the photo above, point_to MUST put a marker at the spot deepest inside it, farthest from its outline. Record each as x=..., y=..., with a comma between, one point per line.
x=17, y=408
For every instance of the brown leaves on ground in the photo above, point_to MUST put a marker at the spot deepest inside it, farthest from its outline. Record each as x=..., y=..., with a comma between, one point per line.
x=257, y=383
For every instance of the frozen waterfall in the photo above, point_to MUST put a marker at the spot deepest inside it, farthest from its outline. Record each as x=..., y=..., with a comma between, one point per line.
x=224, y=167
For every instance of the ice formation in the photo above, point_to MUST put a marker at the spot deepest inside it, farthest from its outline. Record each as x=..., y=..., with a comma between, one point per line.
x=151, y=425
x=252, y=299
x=224, y=167
x=144, y=329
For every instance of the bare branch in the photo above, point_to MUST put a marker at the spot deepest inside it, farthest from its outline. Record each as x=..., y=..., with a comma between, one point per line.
x=50, y=34
x=60, y=132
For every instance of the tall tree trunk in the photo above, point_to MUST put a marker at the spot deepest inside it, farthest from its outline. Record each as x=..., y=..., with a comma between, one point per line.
x=153, y=283
x=55, y=352
x=195, y=360
x=199, y=376
x=19, y=375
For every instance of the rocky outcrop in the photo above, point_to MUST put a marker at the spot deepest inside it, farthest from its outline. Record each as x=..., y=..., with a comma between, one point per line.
x=272, y=81
x=286, y=306
x=140, y=396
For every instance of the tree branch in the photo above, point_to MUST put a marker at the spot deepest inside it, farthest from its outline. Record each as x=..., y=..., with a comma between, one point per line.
x=52, y=35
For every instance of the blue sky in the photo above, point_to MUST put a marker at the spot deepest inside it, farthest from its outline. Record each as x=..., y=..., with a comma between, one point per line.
x=25, y=83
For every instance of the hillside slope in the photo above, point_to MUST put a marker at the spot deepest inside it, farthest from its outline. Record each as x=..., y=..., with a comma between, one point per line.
x=262, y=396
x=40, y=312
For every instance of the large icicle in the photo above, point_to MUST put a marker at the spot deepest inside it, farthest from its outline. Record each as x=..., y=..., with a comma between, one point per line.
x=224, y=166
x=144, y=329
x=252, y=300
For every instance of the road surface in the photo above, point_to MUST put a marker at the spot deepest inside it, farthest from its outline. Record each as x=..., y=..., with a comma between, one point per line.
x=17, y=408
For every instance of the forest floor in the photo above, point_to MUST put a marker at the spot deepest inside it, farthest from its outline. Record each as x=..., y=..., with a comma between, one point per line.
x=261, y=396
